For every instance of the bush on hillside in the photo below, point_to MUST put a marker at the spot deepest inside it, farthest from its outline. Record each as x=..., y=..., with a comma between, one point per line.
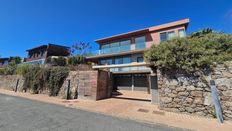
x=193, y=53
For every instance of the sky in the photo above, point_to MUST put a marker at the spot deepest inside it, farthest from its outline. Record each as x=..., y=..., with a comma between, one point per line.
x=25, y=24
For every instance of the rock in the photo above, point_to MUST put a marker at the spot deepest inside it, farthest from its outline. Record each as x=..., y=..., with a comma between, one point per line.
x=217, y=73
x=197, y=93
x=177, y=100
x=189, y=109
x=172, y=82
x=221, y=88
x=181, y=109
x=199, y=89
x=228, y=103
x=199, y=108
x=227, y=74
x=198, y=100
x=200, y=113
x=183, y=93
x=190, y=88
x=189, y=100
x=227, y=93
x=172, y=87
x=201, y=84
x=223, y=82
x=167, y=90
x=182, y=88
x=208, y=99
x=174, y=91
x=166, y=100
x=172, y=95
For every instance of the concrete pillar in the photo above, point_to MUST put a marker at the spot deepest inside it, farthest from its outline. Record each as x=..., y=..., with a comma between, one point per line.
x=132, y=79
x=153, y=83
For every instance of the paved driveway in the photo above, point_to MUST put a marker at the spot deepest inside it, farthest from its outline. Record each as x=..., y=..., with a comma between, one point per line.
x=19, y=114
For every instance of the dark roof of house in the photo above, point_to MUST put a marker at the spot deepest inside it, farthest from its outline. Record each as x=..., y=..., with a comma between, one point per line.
x=1, y=59
x=45, y=46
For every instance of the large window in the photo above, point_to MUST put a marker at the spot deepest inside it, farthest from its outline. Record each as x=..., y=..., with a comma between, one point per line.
x=116, y=47
x=181, y=33
x=125, y=45
x=167, y=35
x=140, y=42
x=106, y=62
x=140, y=59
x=105, y=49
x=118, y=61
x=171, y=35
x=126, y=60
x=163, y=36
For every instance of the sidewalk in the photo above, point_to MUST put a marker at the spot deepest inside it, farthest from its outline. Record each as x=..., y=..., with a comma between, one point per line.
x=135, y=110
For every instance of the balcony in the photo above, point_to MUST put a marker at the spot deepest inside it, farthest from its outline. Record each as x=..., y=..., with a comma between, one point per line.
x=120, y=50
x=130, y=69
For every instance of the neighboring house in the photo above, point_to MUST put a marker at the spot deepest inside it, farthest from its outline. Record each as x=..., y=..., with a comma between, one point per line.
x=39, y=54
x=123, y=53
x=4, y=62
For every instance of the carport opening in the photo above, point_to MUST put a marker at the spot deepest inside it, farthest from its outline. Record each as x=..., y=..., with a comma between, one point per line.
x=131, y=87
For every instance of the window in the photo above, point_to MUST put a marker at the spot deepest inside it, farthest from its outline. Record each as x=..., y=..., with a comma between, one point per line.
x=5, y=62
x=167, y=35
x=118, y=61
x=181, y=33
x=105, y=49
x=171, y=35
x=139, y=59
x=126, y=60
x=125, y=45
x=114, y=47
x=163, y=36
x=140, y=42
x=109, y=61
x=102, y=62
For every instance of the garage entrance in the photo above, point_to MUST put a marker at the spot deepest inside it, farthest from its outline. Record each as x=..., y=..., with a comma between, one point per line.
x=131, y=87
x=133, y=82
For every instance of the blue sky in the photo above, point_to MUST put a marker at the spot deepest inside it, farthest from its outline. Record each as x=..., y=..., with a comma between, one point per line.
x=28, y=23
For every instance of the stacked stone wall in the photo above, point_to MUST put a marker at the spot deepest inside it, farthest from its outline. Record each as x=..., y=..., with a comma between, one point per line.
x=190, y=94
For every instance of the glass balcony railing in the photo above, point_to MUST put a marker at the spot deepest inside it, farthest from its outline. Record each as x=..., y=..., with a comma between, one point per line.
x=136, y=68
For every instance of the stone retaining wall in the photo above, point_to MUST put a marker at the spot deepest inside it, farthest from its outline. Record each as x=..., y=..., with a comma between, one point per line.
x=189, y=94
x=8, y=82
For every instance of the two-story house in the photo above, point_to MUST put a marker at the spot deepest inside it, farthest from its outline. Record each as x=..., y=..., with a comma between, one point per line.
x=123, y=53
x=39, y=54
x=4, y=62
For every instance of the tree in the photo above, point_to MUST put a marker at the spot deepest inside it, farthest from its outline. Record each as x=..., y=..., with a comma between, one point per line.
x=81, y=48
x=16, y=60
x=193, y=53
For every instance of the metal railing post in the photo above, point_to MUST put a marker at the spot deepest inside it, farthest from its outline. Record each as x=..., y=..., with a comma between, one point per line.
x=68, y=89
x=16, y=87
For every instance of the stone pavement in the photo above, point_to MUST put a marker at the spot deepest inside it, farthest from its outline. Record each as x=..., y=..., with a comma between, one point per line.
x=134, y=110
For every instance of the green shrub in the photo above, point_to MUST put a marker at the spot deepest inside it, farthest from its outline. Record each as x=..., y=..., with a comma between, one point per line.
x=10, y=69
x=75, y=60
x=2, y=71
x=56, y=79
x=39, y=78
x=191, y=54
x=60, y=61
x=22, y=69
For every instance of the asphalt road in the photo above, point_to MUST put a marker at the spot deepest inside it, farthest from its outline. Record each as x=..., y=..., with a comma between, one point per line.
x=19, y=114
